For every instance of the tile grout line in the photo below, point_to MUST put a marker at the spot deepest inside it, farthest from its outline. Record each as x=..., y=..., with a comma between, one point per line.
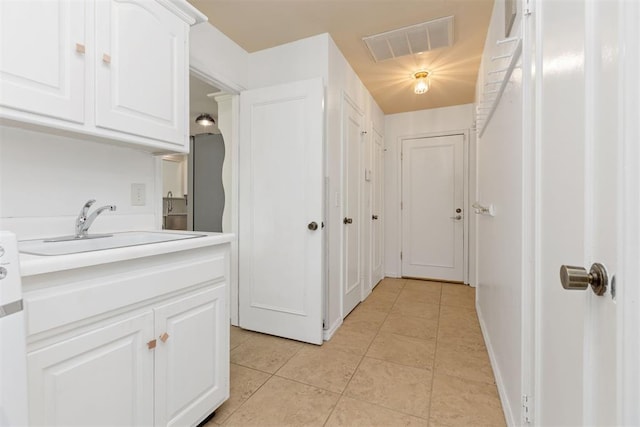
x=271, y=375
x=435, y=355
x=364, y=355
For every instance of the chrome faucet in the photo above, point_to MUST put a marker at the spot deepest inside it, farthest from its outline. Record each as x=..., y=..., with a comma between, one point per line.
x=169, y=201
x=83, y=222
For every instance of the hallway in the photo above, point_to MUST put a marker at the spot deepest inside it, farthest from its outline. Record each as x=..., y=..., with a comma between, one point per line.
x=411, y=354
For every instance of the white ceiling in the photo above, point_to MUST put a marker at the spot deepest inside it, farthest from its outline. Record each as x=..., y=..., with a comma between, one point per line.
x=260, y=24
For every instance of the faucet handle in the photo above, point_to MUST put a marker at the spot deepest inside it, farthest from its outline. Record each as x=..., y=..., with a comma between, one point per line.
x=85, y=208
x=82, y=216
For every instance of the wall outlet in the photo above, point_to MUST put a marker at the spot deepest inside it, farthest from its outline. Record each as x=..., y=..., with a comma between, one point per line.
x=138, y=195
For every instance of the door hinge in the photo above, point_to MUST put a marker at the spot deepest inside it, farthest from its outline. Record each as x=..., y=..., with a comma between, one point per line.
x=527, y=410
x=401, y=205
x=401, y=256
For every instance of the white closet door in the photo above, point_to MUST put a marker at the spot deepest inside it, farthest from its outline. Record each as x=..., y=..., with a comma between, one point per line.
x=281, y=200
x=352, y=147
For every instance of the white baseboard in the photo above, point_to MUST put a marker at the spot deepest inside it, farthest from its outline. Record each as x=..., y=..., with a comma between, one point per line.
x=328, y=333
x=506, y=404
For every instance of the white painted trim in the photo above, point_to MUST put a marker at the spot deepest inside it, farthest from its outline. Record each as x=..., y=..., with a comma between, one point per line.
x=506, y=405
x=185, y=11
x=537, y=332
x=197, y=70
x=157, y=192
x=381, y=215
x=466, y=206
x=398, y=152
x=530, y=213
x=628, y=292
x=327, y=334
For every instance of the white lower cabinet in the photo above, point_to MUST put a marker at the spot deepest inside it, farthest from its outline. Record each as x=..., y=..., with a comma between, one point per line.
x=190, y=360
x=104, y=376
x=129, y=345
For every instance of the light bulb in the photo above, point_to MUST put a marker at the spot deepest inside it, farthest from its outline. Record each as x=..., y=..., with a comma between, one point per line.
x=422, y=82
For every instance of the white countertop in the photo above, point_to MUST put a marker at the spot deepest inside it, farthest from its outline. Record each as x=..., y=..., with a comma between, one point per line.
x=37, y=264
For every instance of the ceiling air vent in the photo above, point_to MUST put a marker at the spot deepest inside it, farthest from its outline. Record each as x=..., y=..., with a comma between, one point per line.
x=411, y=40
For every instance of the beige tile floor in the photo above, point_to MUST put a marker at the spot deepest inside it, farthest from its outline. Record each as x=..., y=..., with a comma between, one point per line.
x=412, y=354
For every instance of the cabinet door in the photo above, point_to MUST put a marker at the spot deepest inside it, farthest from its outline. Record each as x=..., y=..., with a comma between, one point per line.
x=192, y=364
x=141, y=70
x=101, y=377
x=42, y=64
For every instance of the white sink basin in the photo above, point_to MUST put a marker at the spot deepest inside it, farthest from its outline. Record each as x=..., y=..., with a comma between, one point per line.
x=116, y=240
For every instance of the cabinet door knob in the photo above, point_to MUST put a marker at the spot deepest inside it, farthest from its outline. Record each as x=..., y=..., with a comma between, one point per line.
x=106, y=58
x=347, y=220
x=80, y=48
x=151, y=344
x=164, y=337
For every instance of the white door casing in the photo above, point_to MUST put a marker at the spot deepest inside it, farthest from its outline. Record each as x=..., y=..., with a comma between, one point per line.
x=366, y=212
x=377, y=216
x=432, y=192
x=280, y=194
x=352, y=141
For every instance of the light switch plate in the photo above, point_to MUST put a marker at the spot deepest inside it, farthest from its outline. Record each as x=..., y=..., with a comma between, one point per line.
x=138, y=194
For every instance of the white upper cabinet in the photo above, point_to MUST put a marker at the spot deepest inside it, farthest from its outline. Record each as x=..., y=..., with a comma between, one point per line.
x=141, y=71
x=112, y=69
x=42, y=63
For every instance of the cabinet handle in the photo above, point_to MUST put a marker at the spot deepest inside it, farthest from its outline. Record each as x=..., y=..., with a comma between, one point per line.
x=80, y=48
x=106, y=58
x=151, y=344
x=164, y=337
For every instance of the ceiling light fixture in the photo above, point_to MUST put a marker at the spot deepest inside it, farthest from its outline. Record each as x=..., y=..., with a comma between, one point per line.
x=205, y=120
x=422, y=82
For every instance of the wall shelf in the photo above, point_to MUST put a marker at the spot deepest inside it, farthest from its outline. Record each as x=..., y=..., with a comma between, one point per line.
x=494, y=88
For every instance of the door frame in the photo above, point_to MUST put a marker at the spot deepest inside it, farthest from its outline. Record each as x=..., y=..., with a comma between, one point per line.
x=629, y=305
x=466, y=204
x=381, y=217
x=231, y=138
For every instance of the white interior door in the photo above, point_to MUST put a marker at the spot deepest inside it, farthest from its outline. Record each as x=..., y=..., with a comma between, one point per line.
x=352, y=222
x=586, y=164
x=280, y=200
x=432, y=207
x=377, y=232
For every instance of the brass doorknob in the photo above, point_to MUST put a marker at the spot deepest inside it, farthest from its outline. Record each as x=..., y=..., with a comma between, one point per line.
x=312, y=225
x=577, y=278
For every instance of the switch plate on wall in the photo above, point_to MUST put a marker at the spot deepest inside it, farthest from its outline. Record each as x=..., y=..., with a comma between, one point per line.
x=138, y=194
